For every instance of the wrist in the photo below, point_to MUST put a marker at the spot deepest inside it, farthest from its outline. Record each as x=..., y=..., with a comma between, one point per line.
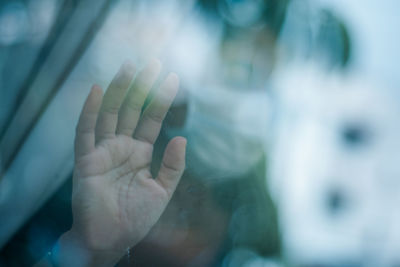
x=72, y=251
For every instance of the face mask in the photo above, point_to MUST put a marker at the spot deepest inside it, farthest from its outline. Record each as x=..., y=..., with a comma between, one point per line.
x=225, y=129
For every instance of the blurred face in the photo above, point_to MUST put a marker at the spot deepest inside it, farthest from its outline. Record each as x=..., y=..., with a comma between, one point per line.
x=335, y=172
x=228, y=105
x=246, y=59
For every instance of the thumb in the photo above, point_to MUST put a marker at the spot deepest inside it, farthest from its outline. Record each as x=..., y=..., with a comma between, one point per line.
x=173, y=165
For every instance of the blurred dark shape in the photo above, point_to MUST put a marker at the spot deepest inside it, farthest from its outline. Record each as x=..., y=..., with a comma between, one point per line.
x=333, y=39
x=260, y=12
x=238, y=257
x=336, y=201
x=312, y=33
x=39, y=234
x=355, y=135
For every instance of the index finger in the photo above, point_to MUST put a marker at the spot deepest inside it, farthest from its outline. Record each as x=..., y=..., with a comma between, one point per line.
x=85, y=138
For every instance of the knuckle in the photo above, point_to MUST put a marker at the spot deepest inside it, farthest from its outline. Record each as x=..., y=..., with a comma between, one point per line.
x=155, y=116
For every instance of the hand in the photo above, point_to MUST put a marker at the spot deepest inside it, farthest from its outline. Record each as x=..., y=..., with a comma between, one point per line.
x=115, y=199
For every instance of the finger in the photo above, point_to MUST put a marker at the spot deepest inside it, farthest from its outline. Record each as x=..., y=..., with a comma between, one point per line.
x=150, y=124
x=112, y=100
x=85, y=137
x=133, y=103
x=173, y=165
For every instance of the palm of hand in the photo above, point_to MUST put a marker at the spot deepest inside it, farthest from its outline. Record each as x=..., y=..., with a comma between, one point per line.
x=116, y=200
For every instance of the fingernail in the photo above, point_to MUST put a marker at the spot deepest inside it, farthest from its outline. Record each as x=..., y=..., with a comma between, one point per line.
x=128, y=66
x=173, y=79
x=96, y=88
x=154, y=65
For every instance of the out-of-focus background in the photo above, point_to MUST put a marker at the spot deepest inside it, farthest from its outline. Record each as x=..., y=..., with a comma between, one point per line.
x=290, y=107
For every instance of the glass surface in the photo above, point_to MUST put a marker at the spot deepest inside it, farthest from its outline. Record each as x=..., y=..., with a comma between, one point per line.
x=290, y=109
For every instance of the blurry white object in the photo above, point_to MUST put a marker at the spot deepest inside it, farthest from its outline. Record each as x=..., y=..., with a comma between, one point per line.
x=335, y=169
x=226, y=129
